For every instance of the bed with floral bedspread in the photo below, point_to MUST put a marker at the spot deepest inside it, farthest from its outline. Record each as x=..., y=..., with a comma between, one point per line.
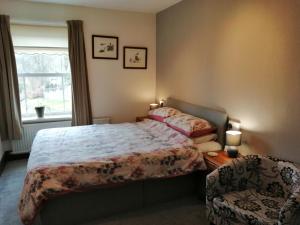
x=73, y=159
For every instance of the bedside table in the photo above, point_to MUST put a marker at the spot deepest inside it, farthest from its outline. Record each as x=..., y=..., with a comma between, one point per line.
x=140, y=118
x=213, y=162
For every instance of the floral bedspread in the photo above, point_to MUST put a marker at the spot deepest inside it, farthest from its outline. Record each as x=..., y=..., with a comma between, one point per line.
x=73, y=159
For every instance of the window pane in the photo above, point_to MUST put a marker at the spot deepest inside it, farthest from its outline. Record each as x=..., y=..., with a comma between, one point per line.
x=67, y=93
x=42, y=61
x=44, y=80
x=22, y=93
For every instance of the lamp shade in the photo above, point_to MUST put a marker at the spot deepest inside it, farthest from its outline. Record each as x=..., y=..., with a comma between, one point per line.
x=233, y=137
x=161, y=103
x=153, y=106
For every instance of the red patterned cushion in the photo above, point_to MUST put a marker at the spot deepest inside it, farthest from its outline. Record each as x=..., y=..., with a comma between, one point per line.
x=160, y=114
x=189, y=125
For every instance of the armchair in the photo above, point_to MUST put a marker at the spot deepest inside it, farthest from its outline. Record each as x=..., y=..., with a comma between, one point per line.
x=254, y=190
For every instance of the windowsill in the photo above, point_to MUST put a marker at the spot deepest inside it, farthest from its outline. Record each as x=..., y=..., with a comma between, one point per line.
x=46, y=119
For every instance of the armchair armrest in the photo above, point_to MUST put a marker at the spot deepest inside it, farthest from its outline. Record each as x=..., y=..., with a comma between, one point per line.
x=218, y=181
x=290, y=212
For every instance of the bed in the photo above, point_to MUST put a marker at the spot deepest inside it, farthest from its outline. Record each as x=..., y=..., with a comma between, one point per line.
x=100, y=170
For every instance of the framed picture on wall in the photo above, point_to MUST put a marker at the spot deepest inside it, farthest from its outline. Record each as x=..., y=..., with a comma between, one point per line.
x=134, y=57
x=105, y=47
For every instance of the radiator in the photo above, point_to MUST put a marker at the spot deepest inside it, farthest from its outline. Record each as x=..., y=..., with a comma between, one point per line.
x=101, y=120
x=29, y=132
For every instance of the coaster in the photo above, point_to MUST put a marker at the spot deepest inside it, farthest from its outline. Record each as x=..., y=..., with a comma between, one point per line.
x=213, y=154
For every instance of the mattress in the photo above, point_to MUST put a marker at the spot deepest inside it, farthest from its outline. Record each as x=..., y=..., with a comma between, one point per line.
x=64, y=160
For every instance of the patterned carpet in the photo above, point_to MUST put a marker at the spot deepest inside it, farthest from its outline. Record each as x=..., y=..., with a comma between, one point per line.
x=181, y=212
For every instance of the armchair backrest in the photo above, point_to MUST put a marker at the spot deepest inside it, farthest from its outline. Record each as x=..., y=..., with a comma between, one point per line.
x=271, y=177
x=277, y=178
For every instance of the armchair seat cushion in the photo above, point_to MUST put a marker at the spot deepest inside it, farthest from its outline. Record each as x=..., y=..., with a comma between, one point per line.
x=248, y=207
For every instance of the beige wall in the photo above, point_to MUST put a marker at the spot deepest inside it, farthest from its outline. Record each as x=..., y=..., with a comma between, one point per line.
x=243, y=56
x=122, y=94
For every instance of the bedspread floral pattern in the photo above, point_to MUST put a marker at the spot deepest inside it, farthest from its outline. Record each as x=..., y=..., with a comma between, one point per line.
x=66, y=160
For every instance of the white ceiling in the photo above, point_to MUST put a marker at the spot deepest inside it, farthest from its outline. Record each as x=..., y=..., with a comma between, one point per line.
x=150, y=6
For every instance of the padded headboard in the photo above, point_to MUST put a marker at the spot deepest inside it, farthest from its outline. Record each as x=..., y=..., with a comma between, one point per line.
x=218, y=118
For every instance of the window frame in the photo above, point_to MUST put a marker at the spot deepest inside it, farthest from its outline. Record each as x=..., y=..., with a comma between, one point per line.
x=54, y=116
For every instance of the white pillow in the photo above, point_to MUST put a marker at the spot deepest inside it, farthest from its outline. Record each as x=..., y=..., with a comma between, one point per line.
x=205, y=138
x=209, y=146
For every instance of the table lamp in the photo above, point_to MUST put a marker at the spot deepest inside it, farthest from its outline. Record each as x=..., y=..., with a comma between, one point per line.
x=233, y=140
x=161, y=103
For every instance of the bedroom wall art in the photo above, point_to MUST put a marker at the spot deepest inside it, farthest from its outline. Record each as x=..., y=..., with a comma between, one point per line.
x=134, y=57
x=105, y=47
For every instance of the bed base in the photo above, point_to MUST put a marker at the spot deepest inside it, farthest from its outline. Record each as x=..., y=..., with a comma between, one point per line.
x=78, y=208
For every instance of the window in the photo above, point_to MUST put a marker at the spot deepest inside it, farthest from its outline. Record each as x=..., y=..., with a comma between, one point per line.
x=44, y=80
x=43, y=70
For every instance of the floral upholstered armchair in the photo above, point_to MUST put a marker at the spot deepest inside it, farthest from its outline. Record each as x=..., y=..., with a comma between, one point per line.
x=254, y=190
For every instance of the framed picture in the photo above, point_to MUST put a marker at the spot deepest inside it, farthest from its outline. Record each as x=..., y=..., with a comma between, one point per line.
x=105, y=47
x=134, y=57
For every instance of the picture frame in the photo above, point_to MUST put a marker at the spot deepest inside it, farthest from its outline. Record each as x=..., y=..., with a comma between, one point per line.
x=135, y=57
x=105, y=47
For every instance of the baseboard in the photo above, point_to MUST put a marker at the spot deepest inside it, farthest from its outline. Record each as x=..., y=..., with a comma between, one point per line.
x=3, y=161
x=17, y=156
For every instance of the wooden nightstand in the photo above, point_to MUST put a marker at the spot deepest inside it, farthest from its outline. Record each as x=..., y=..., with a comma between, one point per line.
x=213, y=162
x=140, y=118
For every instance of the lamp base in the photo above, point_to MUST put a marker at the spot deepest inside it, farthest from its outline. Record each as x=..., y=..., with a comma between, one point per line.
x=232, y=152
